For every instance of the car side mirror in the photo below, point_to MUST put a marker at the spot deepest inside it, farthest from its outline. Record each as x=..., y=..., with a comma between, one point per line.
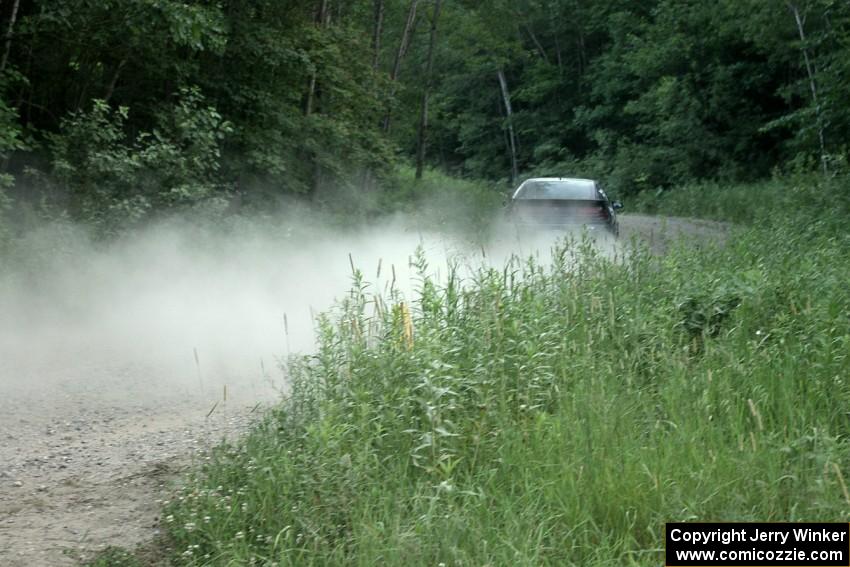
x=617, y=205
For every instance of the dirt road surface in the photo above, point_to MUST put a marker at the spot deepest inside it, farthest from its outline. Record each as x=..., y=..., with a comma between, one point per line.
x=660, y=232
x=87, y=463
x=92, y=440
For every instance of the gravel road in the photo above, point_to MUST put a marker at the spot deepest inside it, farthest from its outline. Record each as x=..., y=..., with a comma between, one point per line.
x=86, y=463
x=660, y=232
x=93, y=439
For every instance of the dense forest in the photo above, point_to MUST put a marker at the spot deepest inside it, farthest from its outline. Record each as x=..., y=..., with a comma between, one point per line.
x=112, y=110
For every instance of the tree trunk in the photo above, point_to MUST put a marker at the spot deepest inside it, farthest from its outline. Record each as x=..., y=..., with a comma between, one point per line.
x=324, y=17
x=321, y=21
x=582, y=50
x=555, y=19
x=402, y=49
x=9, y=30
x=506, y=98
x=405, y=39
x=810, y=71
x=22, y=91
x=423, y=119
x=537, y=43
x=111, y=88
x=311, y=93
x=376, y=33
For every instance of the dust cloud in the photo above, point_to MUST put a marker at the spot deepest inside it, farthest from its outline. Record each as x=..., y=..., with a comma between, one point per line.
x=115, y=357
x=182, y=309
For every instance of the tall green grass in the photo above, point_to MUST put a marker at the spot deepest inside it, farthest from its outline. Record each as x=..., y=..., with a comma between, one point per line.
x=758, y=202
x=552, y=414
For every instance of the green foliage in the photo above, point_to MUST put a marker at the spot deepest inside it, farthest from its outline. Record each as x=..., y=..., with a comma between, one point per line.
x=261, y=84
x=115, y=557
x=11, y=140
x=763, y=203
x=113, y=179
x=440, y=202
x=552, y=414
x=645, y=95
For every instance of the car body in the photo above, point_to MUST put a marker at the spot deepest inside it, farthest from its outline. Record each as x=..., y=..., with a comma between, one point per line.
x=562, y=203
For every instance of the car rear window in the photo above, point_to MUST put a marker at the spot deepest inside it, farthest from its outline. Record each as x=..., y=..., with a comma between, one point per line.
x=557, y=189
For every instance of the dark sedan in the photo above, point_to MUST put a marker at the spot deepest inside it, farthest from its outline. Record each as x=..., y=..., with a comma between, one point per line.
x=562, y=203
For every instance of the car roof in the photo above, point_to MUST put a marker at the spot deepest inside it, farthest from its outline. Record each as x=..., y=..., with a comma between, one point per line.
x=557, y=188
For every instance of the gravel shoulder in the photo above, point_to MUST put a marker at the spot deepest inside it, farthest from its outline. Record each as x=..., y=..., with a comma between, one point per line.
x=92, y=443
x=661, y=232
x=84, y=473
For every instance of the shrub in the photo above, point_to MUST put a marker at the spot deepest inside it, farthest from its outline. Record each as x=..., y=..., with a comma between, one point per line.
x=115, y=180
